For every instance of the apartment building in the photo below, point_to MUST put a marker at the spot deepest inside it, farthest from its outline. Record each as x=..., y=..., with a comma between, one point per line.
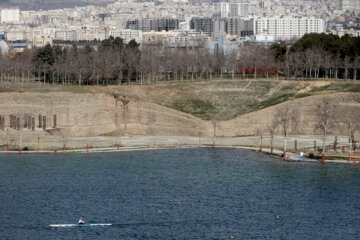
x=226, y=10
x=9, y=15
x=66, y=35
x=242, y=9
x=221, y=10
x=233, y=26
x=350, y=5
x=128, y=34
x=159, y=24
x=40, y=40
x=175, y=38
x=15, y=35
x=287, y=28
x=205, y=25
x=240, y=27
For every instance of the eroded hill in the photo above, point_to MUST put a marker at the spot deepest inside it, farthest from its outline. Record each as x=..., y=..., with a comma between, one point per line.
x=183, y=109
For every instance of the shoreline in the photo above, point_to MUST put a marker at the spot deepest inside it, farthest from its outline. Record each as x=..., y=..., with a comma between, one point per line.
x=291, y=157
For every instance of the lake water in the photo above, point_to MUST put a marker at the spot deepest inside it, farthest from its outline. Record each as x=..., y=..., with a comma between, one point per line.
x=177, y=194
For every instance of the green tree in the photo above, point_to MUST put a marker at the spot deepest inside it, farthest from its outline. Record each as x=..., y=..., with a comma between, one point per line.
x=43, y=61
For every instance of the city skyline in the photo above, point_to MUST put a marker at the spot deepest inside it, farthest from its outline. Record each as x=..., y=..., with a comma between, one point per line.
x=179, y=21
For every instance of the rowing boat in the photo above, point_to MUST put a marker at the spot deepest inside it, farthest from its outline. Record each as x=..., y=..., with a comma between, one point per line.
x=81, y=225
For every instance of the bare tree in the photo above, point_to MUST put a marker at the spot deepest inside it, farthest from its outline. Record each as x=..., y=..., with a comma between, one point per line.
x=268, y=60
x=244, y=61
x=346, y=66
x=352, y=120
x=255, y=57
x=231, y=62
x=336, y=64
x=81, y=64
x=287, y=119
x=325, y=115
x=287, y=67
x=355, y=64
x=318, y=60
x=272, y=130
x=125, y=101
x=326, y=63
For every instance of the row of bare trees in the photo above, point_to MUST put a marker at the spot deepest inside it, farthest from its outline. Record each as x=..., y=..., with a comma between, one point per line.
x=114, y=62
x=287, y=121
x=317, y=63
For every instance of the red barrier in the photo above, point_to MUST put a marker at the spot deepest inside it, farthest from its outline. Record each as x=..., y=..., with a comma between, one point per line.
x=322, y=158
x=355, y=155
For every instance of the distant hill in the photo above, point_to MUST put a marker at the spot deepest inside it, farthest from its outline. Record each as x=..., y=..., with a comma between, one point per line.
x=51, y=4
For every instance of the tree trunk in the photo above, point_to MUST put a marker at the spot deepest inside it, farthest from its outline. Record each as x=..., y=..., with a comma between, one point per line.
x=285, y=138
x=324, y=140
x=244, y=71
x=355, y=71
x=350, y=144
x=346, y=67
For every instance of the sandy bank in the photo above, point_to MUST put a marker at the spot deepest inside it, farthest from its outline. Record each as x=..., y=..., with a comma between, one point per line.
x=145, y=143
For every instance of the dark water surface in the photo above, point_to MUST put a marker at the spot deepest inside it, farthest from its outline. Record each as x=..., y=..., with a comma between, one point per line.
x=177, y=194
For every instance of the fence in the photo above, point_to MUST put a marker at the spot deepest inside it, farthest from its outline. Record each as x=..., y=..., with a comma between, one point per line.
x=334, y=144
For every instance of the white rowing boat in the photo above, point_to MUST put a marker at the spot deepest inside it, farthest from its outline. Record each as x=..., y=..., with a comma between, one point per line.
x=80, y=225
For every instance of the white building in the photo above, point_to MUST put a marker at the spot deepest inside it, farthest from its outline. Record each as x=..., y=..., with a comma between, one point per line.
x=225, y=9
x=66, y=35
x=242, y=9
x=15, y=35
x=287, y=28
x=9, y=15
x=127, y=35
x=350, y=5
x=221, y=10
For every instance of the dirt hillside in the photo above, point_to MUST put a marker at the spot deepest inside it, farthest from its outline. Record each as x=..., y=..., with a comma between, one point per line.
x=94, y=114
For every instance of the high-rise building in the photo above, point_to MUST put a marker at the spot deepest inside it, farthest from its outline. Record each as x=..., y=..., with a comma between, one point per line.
x=160, y=24
x=225, y=9
x=240, y=27
x=350, y=5
x=9, y=15
x=220, y=25
x=242, y=9
x=233, y=26
x=286, y=28
x=221, y=10
x=205, y=25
